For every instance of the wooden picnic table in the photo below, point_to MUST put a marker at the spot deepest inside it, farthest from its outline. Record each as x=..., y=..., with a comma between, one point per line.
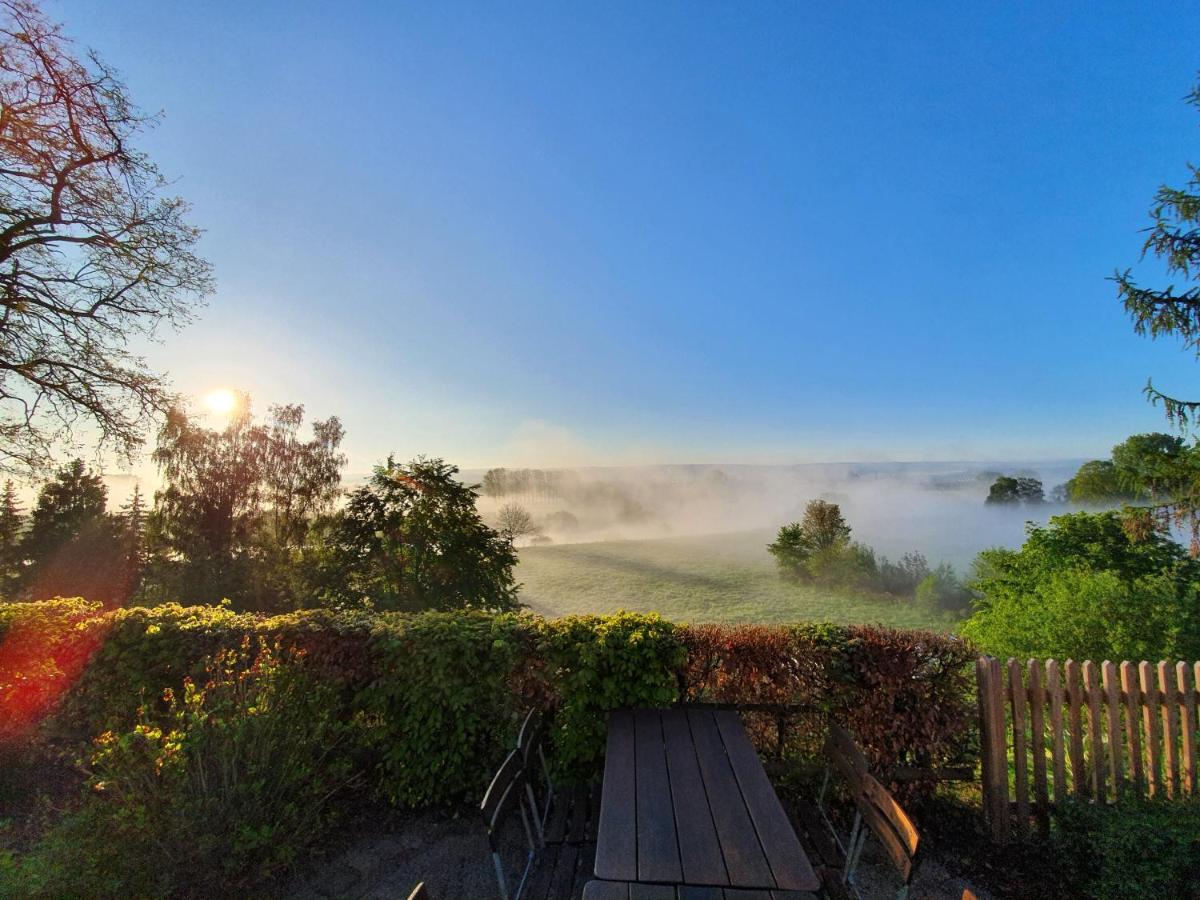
x=686, y=801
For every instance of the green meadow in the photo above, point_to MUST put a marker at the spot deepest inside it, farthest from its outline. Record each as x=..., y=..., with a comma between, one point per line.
x=710, y=578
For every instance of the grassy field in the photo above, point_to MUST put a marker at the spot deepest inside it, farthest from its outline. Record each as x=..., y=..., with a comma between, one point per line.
x=716, y=578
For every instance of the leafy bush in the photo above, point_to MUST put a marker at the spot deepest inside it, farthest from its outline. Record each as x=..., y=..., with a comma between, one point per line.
x=906, y=695
x=1088, y=586
x=439, y=708
x=217, y=791
x=1133, y=850
x=941, y=591
x=44, y=647
x=594, y=664
x=437, y=695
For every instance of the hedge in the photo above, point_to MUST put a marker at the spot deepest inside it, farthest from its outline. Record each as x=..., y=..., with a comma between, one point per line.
x=437, y=696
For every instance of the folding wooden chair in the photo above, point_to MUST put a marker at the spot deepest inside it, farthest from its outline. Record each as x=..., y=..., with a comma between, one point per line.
x=842, y=755
x=879, y=814
x=504, y=795
x=529, y=743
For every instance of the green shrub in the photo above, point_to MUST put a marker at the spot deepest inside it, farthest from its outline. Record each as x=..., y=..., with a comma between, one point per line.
x=1088, y=585
x=594, y=664
x=439, y=708
x=216, y=792
x=44, y=648
x=1132, y=850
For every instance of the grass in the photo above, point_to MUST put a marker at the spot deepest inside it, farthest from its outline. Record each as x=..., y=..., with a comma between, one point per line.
x=712, y=578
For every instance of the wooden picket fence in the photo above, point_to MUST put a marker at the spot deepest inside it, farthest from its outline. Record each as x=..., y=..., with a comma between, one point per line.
x=1105, y=732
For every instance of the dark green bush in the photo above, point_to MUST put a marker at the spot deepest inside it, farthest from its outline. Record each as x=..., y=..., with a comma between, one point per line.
x=216, y=790
x=1133, y=850
x=439, y=707
x=594, y=664
x=437, y=694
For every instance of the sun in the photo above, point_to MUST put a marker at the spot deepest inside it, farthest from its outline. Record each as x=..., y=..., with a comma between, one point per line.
x=222, y=401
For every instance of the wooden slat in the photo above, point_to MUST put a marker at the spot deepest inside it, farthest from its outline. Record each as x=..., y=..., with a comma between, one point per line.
x=606, y=890
x=1055, y=689
x=1170, y=725
x=1187, y=693
x=657, y=841
x=744, y=859
x=699, y=847
x=775, y=832
x=986, y=763
x=579, y=814
x=1133, y=747
x=1112, y=706
x=1075, y=715
x=562, y=878
x=593, y=811
x=1016, y=696
x=616, y=845
x=1037, y=743
x=651, y=892
x=1091, y=684
x=819, y=841
x=997, y=749
x=1151, y=722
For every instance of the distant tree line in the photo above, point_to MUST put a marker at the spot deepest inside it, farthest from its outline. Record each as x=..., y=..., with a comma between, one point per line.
x=818, y=550
x=255, y=514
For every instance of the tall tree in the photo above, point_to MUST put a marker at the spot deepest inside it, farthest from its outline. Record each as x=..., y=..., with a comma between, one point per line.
x=413, y=539
x=514, y=522
x=133, y=529
x=67, y=504
x=92, y=250
x=73, y=546
x=12, y=524
x=823, y=529
x=236, y=502
x=1174, y=238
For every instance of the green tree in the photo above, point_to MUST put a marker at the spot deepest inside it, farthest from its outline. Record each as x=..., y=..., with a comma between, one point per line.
x=73, y=546
x=1008, y=490
x=67, y=504
x=413, y=539
x=237, y=504
x=1088, y=585
x=93, y=252
x=12, y=526
x=1098, y=482
x=822, y=535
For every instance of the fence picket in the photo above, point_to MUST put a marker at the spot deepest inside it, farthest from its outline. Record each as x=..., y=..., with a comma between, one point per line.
x=1150, y=722
x=1091, y=681
x=1055, y=689
x=1112, y=698
x=1037, y=743
x=1133, y=702
x=1187, y=693
x=1170, y=723
x=1016, y=693
x=1075, y=714
x=1157, y=754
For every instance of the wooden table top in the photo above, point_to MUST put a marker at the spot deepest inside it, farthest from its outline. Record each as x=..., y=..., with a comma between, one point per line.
x=686, y=801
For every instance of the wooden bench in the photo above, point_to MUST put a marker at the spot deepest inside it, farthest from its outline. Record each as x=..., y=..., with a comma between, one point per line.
x=628, y=890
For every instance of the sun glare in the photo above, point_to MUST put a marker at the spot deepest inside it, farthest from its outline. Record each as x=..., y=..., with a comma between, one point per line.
x=222, y=401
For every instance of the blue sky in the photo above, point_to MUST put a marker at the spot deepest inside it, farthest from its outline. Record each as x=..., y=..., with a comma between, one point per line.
x=671, y=232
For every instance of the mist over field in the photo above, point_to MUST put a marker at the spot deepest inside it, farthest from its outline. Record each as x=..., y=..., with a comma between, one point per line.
x=935, y=508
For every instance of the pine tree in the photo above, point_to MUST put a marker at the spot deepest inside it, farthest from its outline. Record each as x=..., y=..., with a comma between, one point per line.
x=133, y=520
x=12, y=521
x=1174, y=238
